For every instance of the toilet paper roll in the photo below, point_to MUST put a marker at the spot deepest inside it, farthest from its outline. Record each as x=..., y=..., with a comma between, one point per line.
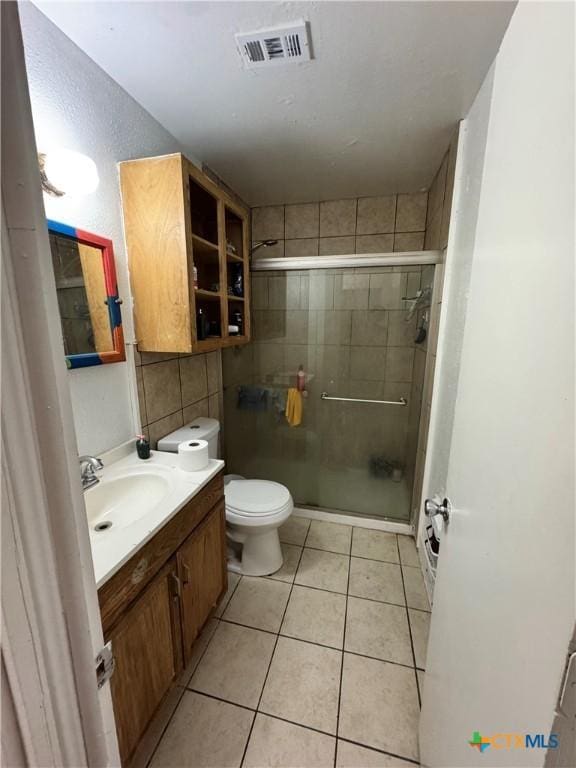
x=193, y=455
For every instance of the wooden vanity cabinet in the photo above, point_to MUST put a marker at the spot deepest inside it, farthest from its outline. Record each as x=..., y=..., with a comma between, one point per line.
x=187, y=241
x=147, y=655
x=202, y=571
x=154, y=607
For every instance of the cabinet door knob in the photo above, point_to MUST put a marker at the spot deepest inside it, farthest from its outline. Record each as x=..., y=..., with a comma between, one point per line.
x=185, y=574
x=175, y=585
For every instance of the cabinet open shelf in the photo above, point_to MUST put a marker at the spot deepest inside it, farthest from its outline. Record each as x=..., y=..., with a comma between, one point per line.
x=208, y=295
x=203, y=212
x=204, y=248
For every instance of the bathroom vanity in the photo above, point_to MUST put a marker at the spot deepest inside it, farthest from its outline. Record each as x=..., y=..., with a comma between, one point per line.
x=156, y=595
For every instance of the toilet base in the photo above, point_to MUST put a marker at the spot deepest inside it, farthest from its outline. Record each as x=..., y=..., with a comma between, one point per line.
x=261, y=553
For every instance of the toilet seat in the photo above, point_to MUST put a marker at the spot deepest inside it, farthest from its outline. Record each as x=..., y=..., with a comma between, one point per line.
x=257, y=498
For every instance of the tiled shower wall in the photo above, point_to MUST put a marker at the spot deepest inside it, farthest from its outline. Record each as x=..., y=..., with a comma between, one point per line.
x=349, y=330
x=357, y=225
x=175, y=389
x=440, y=201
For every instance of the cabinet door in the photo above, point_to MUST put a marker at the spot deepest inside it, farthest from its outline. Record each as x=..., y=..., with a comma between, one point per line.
x=202, y=571
x=147, y=652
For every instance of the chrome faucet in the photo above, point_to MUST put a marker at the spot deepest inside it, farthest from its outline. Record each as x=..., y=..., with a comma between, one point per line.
x=89, y=465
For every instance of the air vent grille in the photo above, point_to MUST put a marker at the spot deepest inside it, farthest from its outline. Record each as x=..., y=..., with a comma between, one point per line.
x=281, y=45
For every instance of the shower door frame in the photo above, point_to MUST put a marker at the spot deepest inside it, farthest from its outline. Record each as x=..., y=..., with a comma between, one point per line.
x=400, y=259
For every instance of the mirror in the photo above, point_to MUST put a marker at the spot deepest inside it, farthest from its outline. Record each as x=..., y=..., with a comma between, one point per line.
x=87, y=296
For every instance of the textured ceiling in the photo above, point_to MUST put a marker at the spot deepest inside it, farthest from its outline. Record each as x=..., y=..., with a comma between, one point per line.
x=371, y=114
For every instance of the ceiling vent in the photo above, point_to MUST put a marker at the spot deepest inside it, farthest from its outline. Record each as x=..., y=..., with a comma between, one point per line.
x=278, y=45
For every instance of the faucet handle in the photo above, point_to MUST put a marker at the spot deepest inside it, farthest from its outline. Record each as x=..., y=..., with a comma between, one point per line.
x=89, y=465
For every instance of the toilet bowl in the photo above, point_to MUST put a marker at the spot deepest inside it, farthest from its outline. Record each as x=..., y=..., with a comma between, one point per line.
x=255, y=509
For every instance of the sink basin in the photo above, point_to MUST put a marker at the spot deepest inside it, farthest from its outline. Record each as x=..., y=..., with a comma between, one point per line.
x=119, y=501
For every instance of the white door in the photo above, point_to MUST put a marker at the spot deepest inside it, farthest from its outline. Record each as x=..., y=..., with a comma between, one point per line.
x=504, y=597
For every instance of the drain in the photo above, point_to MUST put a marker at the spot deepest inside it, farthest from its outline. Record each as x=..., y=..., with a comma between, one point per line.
x=103, y=526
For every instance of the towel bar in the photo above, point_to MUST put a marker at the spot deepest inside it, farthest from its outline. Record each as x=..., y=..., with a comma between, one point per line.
x=402, y=401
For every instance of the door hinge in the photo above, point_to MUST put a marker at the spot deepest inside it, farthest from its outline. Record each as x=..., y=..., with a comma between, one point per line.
x=104, y=664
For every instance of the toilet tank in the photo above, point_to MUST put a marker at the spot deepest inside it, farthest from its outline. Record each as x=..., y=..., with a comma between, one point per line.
x=199, y=429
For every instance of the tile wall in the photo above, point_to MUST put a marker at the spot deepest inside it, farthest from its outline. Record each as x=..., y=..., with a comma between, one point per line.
x=175, y=389
x=440, y=201
x=350, y=331
x=358, y=225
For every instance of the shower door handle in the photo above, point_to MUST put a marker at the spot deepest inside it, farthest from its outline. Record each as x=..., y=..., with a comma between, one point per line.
x=432, y=508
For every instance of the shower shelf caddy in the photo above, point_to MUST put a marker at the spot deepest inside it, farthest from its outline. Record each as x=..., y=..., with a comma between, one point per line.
x=186, y=240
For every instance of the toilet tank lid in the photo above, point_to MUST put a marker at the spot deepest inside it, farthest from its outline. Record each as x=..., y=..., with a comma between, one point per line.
x=201, y=429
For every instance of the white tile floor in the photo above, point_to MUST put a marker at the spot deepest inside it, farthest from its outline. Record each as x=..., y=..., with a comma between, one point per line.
x=317, y=666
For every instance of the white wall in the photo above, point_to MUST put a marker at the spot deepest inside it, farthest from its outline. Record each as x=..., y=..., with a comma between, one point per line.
x=77, y=106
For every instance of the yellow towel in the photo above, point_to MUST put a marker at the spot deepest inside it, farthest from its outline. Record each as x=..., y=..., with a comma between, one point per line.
x=294, y=407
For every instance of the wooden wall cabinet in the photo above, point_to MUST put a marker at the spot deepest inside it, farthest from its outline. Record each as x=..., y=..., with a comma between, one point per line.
x=187, y=240
x=155, y=606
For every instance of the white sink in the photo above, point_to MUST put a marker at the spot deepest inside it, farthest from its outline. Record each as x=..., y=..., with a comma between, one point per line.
x=118, y=501
x=133, y=500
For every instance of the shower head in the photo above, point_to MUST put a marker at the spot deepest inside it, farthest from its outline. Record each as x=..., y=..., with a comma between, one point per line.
x=262, y=244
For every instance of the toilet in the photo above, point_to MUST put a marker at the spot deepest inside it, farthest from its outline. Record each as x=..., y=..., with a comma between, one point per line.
x=255, y=509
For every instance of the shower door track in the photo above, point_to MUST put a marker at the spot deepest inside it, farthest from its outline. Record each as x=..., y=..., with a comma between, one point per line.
x=329, y=515
x=405, y=259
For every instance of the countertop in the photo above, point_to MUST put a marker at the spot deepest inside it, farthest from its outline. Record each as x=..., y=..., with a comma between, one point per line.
x=112, y=548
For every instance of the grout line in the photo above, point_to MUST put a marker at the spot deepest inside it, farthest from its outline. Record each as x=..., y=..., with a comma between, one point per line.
x=359, y=557
x=343, y=646
x=180, y=388
x=231, y=596
x=249, y=626
x=398, y=562
x=278, y=635
x=380, y=751
x=341, y=649
x=361, y=597
x=153, y=752
x=305, y=540
x=410, y=632
x=219, y=698
x=270, y=662
x=300, y=725
x=330, y=647
x=154, y=362
x=205, y=355
x=183, y=689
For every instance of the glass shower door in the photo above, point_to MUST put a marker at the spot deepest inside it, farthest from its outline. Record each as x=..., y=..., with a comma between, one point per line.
x=350, y=332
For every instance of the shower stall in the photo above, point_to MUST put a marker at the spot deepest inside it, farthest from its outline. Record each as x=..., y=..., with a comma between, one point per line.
x=353, y=331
